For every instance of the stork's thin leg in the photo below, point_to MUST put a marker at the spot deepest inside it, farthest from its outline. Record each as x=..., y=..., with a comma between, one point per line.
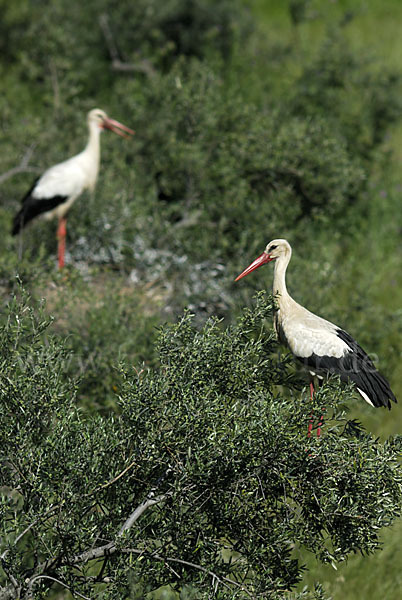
x=310, y=423
x=320, y=423
x=61, y=237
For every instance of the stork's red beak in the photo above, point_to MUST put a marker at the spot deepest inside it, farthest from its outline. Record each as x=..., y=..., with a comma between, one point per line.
x=261, y=260
x=117, y=127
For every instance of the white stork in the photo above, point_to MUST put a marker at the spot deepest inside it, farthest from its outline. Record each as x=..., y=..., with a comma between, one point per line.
x=54, y=192
x=324, y=348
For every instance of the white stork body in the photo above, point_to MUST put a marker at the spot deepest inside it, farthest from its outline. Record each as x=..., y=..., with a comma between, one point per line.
x=324, y=348
x=69, y=178
x=53, y=194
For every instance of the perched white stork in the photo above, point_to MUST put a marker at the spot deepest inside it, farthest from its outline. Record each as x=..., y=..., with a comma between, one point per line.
x=324, y=348
x=54, y=192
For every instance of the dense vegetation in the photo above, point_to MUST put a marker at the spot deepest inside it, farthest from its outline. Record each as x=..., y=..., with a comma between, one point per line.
x=253, y=120
x=207, y=443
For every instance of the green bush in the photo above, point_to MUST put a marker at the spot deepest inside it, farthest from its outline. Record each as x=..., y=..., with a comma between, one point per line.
x=57, y=45
x=215, y=170
x=102, y=322
x=359, y=98
x=218, y=164
x=242, y=135
x=207, y=477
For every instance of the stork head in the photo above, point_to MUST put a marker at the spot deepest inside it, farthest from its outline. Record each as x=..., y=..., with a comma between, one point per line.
x=276, y=249
x=98, y=117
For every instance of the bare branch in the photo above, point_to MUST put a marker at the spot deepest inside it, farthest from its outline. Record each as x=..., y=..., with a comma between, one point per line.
x=14, y=582
x=105, y=485
x=105, y=550
x=110, y=548
x=144, y=66
x=55, y=85
x=138, y=512
x=17, y=539
x=210, y=573
x=226, y=581
x=107, y=32
x=29, y=591
x=8, y=593
x=22, y=167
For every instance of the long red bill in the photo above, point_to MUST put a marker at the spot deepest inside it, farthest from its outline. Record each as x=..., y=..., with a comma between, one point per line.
x=117, y=127
x=260, y=260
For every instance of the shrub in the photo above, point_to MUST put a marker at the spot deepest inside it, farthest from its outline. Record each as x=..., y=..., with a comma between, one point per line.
x=206, y=479
x=359, y=99
x=78, y=50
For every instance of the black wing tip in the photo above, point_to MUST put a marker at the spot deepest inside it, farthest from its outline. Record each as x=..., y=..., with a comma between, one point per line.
x=20, y=219
x=32, y=208
x=355, y=366
x=373, y=383
x=17, y=226
x=385, y=402
x=18, y=223
x=389, y=404
x=382, y=390
x=376, y=388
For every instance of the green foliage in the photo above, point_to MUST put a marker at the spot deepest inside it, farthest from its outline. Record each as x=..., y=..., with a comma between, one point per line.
x=298, y=10
x=244, y=133
x=206, y=477
x=355, y=95
x=31, y=388
x=268, y=167
x=210, y=161
x=59, y=44
x=102, y=323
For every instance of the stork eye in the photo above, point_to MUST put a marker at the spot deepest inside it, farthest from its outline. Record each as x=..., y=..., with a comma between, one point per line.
x=272, y=248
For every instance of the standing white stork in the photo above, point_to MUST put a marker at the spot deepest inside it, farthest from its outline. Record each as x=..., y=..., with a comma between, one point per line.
x=54, y=192
x=324, y=348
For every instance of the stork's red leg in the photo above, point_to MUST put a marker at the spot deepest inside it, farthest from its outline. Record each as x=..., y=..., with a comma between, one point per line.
x=61, y=237
x=320, y=422
x=310, y=423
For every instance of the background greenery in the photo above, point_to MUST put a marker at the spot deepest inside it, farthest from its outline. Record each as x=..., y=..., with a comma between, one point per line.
x=253, y=120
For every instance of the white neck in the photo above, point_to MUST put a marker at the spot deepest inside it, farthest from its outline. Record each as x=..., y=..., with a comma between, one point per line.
x=279, y=284
x=93, y=145
x=91, y=155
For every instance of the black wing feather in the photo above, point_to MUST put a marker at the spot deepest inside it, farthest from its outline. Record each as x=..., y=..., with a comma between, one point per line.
x=32, y=207
x=355, y=366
